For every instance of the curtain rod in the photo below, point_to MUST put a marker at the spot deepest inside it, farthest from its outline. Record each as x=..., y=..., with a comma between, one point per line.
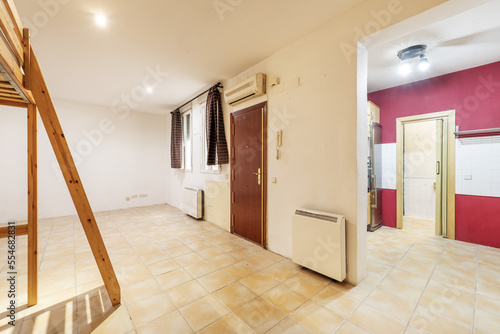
x=194, y=98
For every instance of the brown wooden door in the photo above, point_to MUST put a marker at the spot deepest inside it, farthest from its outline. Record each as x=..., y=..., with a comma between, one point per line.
x=248, y=169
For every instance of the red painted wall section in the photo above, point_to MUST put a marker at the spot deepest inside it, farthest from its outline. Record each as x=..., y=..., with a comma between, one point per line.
x=389, y=209
x=473, y=93
x=477, y=220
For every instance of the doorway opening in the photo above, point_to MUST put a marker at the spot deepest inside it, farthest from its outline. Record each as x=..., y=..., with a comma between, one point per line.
x=425, y=175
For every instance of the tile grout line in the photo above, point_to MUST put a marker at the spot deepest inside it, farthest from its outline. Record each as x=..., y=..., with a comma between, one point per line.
x=76, y=273
x=209, y=293
x=475, y=292
x=371, y=291
x=394, y=267
x=125, y=215
x=122, y=304
x=163, y=291
x=425, y=288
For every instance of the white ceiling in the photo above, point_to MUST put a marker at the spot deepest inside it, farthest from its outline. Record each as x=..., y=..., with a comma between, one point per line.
x=190, y=40
x=194, y=45
x=466, y=40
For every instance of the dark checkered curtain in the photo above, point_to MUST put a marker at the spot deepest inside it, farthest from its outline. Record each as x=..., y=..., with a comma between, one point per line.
x=176, y=140
x=216, y=137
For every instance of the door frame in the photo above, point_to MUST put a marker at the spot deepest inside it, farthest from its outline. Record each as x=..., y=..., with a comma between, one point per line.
x=263, y=106
x=450, y=116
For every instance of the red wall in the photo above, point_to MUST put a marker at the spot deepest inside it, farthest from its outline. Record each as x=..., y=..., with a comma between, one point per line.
x=475, y=96
x=478, y=220
x=389, y=208
x=473, y=93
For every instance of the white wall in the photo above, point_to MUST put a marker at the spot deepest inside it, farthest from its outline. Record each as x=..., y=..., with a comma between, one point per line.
x=13, y=168
x=117, y=155
x=178, y=178
x=318, y=115
x=478, y=166
x=388, y=166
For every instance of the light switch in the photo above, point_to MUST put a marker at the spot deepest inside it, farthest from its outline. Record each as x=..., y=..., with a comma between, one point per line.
x=467, y=177
x=274, y=180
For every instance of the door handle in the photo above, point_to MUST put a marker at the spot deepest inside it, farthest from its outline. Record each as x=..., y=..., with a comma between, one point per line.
x=258, y=176
x=438, y=168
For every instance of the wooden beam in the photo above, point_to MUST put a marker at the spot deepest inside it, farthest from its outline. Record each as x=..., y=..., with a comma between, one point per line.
x=10, y=94
x=18, y=104
x=11, y=72
x=66, y=163
x=27, y=54
x=20, y=230
x=14, y=16
x=9, y=63
x=8, y=90
x=4, y=83
x=10, y=34
x=12, y=99
x=32, y=205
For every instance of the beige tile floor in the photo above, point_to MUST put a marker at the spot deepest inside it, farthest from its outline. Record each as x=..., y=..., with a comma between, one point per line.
x=179, y=275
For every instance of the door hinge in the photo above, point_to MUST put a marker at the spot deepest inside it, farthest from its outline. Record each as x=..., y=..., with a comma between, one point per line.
x=233, y=197
x=232, y=221
x=234, y=129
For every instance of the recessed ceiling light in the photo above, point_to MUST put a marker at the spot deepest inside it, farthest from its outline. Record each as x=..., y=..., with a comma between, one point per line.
x=101, y=20
x=149, y=90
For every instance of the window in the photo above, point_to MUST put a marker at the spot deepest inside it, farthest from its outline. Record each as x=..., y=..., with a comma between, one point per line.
x=187, y=142
x=204, y=167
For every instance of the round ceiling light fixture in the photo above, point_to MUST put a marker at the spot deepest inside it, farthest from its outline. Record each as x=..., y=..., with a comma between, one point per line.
x=407, y=55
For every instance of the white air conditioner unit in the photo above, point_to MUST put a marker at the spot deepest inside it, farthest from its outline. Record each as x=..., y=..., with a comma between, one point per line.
x=192, y=202
x=318, y=242
x=246, y=90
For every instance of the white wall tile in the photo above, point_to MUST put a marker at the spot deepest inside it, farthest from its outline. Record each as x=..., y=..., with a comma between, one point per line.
x=495, y=176
x=486, y=189
x=480, y=158
x=419, y=198
x=388, y=166
x=495, y=190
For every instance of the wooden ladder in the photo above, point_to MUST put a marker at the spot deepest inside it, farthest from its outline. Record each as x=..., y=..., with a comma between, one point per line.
x=22, y=85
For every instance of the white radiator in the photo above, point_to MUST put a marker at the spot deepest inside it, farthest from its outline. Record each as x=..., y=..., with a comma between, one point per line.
x=318, y=242
x=192, y=202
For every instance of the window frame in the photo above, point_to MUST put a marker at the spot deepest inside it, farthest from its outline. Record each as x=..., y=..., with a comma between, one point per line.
x=183, y=122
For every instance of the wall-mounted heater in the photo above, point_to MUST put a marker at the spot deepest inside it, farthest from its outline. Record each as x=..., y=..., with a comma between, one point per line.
x=192, y=202
x=318, y=242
